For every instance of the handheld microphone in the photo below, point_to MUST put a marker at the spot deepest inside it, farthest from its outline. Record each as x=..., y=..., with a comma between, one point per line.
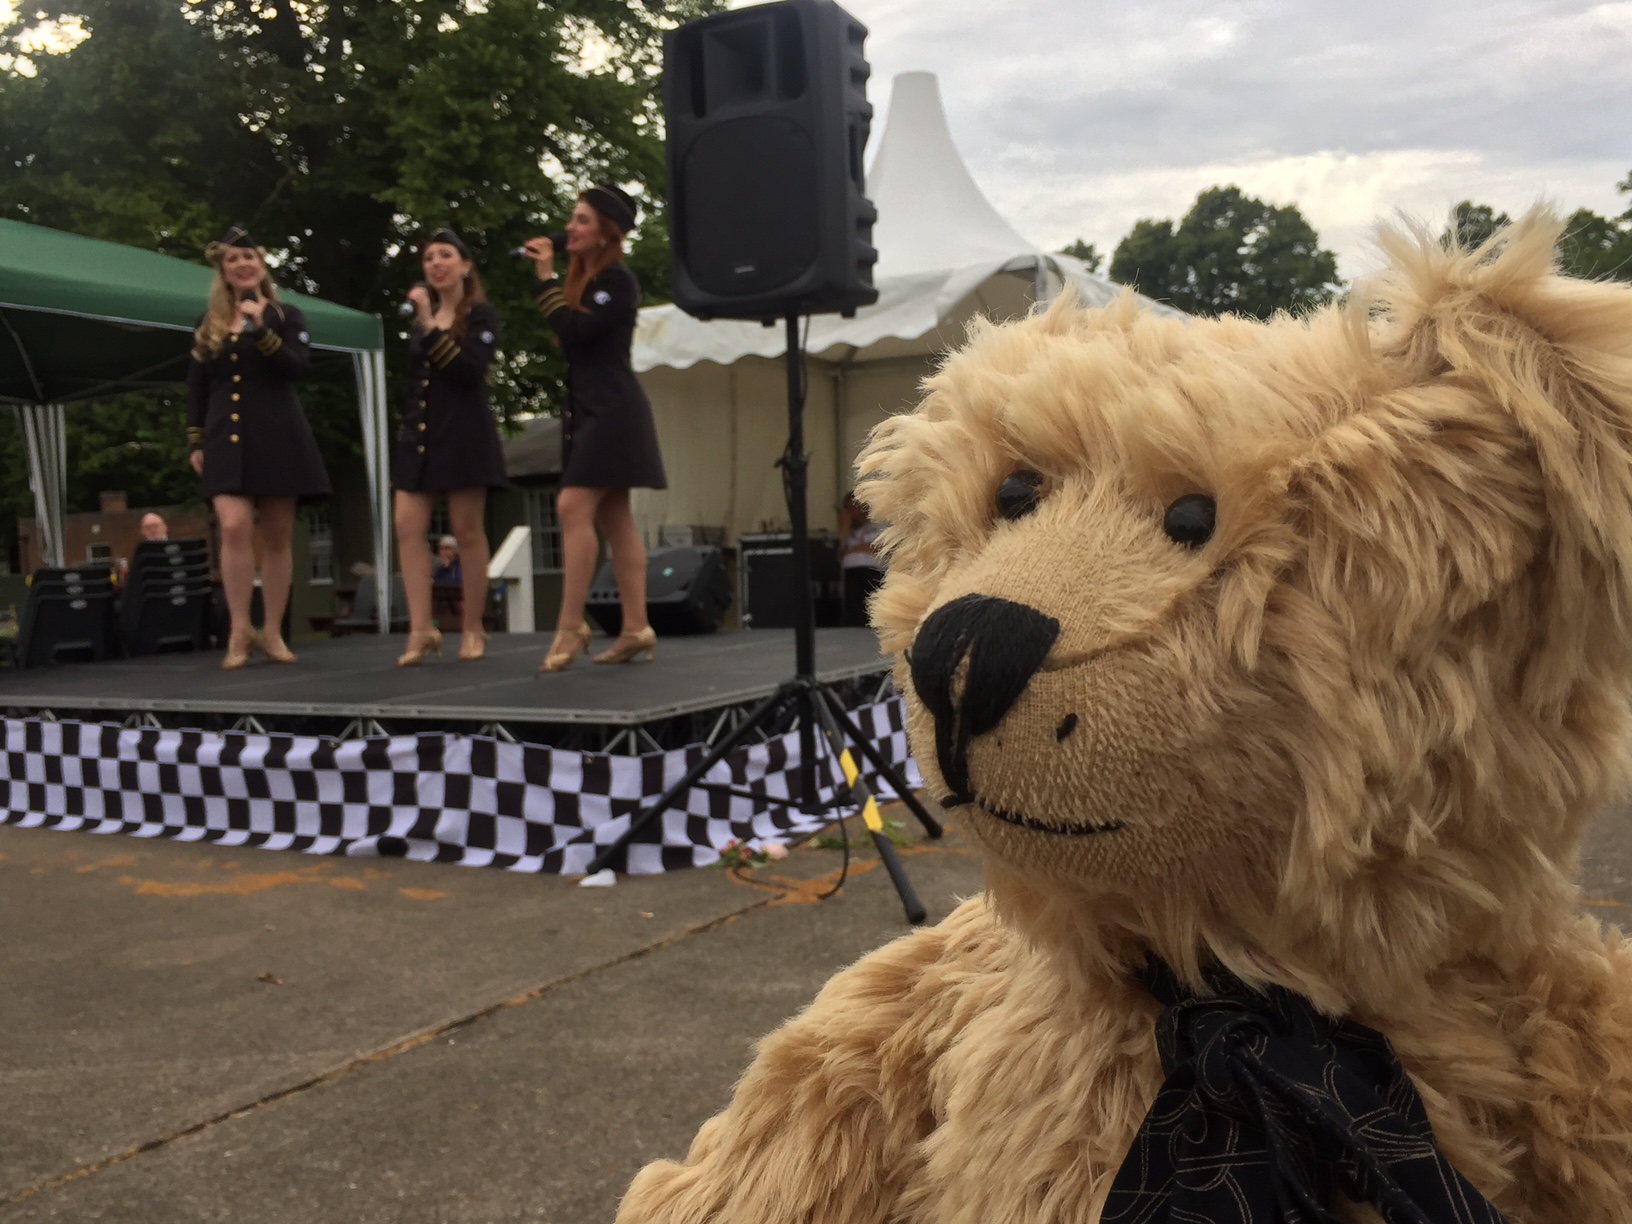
x=558, y=239
x=408, y=310
x=247, y=295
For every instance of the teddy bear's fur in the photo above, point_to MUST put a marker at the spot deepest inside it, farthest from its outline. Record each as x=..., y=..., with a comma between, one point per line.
x=1348, y=745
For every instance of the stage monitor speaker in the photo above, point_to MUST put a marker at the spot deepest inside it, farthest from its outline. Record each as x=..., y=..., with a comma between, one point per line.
x=687, y=591
x=768, y=584
x=767, y=117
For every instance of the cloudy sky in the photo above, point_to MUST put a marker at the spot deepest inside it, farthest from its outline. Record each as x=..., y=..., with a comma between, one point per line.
x=1078, y=117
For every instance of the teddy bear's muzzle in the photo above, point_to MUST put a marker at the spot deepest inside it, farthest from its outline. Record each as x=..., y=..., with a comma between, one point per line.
x=993, y=647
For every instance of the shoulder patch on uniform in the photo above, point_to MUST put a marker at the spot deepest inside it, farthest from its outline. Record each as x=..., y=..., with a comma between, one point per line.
x=487, y=337
x=602, y=297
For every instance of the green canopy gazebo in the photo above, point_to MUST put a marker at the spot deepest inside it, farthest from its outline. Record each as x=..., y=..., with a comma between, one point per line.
x=82, y=320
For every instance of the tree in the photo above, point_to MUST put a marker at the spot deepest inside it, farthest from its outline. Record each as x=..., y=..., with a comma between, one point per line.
x=1231, y=254
x=1087, y=252
x=1593, y=247
x=341, y=131
x=1472, y=223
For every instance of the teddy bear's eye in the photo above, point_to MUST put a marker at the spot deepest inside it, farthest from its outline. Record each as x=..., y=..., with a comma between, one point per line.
x=1189, y=521
x=1019, y=494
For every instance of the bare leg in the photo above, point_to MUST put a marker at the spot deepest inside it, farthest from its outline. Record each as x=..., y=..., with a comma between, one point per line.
x=236, y=515
x=465, y=507
x=413, y=521
x=575, y=508
x=617, y=524
x=277, y=566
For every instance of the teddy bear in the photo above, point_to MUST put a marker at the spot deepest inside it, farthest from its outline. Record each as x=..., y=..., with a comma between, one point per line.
x=1275, y=668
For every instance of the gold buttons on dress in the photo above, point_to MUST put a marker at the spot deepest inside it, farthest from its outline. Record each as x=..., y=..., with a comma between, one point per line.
x=235, y=397
x=235, y=356
x=422, y=450
x=235, y=437
x=422, y=403
x=235, y=416
x=237, y=378
x=234, y=337
x=422, y=427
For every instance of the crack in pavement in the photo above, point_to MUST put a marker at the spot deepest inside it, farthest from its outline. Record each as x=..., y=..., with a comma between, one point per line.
x=401, y=1046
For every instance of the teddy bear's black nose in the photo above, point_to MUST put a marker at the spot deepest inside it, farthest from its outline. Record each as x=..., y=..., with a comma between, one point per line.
x=1004, y=643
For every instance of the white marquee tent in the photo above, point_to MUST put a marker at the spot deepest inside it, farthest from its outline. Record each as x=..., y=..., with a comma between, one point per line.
x=718, y=389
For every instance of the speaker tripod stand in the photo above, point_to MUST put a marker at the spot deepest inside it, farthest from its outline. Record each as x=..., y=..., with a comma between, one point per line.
x=819, y=714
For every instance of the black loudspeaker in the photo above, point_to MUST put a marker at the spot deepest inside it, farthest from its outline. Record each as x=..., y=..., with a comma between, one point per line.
x=767, y=117
x=769, y=586
x=687, y=591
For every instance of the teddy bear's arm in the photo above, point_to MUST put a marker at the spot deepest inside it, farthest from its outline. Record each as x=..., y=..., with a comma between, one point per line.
x=825, y=1125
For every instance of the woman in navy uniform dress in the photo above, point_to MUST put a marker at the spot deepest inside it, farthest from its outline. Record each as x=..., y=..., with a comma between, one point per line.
x=608, y=440
x=248, y=438
x=449, y=444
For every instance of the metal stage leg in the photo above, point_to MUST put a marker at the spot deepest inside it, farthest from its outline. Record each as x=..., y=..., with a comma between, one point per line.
x=666, y=800
x=891, y=774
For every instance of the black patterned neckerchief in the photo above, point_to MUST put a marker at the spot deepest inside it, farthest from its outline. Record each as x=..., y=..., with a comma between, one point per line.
x=1270, y=1111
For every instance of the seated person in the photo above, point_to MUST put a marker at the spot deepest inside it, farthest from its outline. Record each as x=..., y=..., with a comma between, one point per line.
x=447, y=589
x=154, y=527
x=446, y=570
x=863, y=569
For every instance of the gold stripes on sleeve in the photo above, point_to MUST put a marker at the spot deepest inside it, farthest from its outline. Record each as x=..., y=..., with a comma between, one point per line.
x=443, y=351
x=195, y=436
x=269, y=342
x=549, y=296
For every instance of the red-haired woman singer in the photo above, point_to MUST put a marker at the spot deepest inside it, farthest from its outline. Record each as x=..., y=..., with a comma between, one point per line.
x=608, y=440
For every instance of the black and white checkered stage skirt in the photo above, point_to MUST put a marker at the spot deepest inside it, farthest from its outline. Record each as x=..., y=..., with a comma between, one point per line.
x=435, y=796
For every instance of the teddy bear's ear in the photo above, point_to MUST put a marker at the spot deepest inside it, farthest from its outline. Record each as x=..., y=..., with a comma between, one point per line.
x=1494, y=443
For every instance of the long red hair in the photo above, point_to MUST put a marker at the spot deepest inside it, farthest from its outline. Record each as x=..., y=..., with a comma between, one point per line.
x=580, y=271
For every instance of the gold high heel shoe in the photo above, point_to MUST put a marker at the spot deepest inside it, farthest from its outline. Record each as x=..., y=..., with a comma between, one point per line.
x=239, y=649
x=578, y=643
x=281, y=655
x=431, y=643
x=628, y=646
x=472, y=644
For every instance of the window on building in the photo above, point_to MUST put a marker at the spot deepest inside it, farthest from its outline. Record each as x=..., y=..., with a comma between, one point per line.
x=320, y=545
x=546, y=530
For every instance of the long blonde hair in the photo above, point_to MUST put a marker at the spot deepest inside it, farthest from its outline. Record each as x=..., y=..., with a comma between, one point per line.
x=222, y=311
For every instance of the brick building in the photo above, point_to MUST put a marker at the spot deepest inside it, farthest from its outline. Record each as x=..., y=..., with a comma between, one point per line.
x=111, y=533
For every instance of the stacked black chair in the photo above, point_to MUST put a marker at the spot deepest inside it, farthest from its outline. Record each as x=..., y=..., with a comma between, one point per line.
x=166, y=602
x=68, y=617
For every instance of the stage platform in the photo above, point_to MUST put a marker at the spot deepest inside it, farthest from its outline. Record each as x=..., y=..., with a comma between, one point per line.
x=354, y=678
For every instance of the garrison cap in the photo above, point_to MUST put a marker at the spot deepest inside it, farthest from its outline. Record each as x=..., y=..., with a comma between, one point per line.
x=445, y=234
x=613, y=203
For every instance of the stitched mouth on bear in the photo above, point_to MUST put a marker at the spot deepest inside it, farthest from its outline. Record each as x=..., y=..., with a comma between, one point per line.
x=1045, y=826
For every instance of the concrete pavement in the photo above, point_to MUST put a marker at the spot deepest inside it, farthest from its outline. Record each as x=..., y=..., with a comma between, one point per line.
x=189, y=1033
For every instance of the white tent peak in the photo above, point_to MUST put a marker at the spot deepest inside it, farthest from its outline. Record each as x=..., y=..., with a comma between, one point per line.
x=931, y=214
x=944, y=254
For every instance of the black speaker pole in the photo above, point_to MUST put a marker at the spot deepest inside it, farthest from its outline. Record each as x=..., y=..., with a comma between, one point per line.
x=817, y=708
x=795, y=466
